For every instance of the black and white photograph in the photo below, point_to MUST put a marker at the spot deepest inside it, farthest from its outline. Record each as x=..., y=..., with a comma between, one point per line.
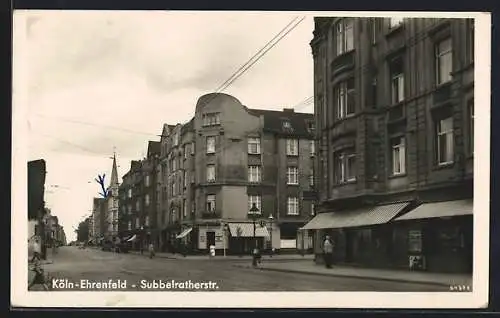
x=188, y=158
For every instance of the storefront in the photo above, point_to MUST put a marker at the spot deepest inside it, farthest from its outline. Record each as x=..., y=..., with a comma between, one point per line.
x=361, y=236
x=438, y=237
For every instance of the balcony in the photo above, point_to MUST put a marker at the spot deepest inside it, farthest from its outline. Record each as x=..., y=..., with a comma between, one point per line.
x=442, y=95
x=342, y=64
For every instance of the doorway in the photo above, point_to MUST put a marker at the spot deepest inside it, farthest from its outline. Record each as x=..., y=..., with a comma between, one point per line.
x=210, y=239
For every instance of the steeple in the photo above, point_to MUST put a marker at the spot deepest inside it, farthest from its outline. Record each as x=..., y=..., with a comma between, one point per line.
x=114, y=173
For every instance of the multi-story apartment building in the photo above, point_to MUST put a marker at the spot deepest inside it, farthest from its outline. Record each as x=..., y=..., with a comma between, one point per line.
x=98, y=219
x=230, y=167
x=394, y=112
x=138, y=212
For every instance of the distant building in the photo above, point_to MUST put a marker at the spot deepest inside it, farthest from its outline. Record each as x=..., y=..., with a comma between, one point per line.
x=394, y=111
x=112, y=205
x=227, y=159
x=138, y=203
x=36, y=188
x=98, y=219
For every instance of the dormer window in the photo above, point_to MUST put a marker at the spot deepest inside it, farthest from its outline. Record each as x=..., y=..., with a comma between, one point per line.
x=287, y=124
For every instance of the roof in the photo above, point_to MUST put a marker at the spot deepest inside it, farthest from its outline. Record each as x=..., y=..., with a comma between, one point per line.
x=189, y=126
x=154, y=147
x=286, y=122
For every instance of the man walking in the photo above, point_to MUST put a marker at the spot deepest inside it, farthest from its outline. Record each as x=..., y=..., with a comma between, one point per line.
x=328, y=251
x=37, y=250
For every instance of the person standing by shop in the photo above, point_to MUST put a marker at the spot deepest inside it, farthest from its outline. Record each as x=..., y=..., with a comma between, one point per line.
x=328, y=251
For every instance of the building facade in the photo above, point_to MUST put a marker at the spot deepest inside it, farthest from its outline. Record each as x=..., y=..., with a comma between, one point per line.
x=394, y=112
x=138, y=200
x=111, y=203
x=231, y=167
x=98, y=220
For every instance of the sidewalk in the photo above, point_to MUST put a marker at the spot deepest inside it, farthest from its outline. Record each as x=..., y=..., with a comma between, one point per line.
x=275, y=258
x=310, y=268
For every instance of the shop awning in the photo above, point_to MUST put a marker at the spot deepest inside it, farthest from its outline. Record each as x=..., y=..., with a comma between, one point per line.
x=133, y=238
x=184, y=233
x=361, y=217
x=439, y=209
x=246, y=230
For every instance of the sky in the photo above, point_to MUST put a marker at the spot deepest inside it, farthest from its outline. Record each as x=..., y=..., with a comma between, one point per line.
x=103, y=81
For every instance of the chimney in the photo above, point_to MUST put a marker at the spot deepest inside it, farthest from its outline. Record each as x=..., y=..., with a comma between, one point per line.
x=288, y=110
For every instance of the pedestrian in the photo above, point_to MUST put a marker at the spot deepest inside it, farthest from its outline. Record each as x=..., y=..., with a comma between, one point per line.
x=328, y=251
x=151, y=250
x=39, y=278
x=37, y=250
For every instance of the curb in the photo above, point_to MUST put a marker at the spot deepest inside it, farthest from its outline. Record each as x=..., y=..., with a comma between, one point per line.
x=398, y=280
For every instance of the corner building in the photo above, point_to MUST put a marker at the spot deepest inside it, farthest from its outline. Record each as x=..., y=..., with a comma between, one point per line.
x=394, y=111
x=224, y=161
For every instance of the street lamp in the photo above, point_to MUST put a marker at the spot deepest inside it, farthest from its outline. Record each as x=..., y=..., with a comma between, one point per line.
x=253, y=213
x=271, y=219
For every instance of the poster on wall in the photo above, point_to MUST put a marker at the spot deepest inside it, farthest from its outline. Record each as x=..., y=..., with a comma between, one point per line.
x=415, y=241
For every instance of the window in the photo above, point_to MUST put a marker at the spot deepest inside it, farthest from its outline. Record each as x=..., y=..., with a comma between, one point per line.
x=129, y=193
x=344, y=36
x=147, y=181
x=210, y=173
x=395, y=22
x=287, y=124
x=211, y=203
x=254, y=173
x=129, y=209
x=293, y=206
x=174, y=188
x=174, y=164
x=292, y=175
x=212, y=119
x=311, y=177
x=176, y=139
x=444, y=63
x=185, y=178
x=184, y=208
x=211, y=144
x=137, y=206
x=471, y=126
x=345, y=166
x=292, y=147
x=398, y=156
x=257, y=200
x=313, y=208
x=146, y=200
x=445, y=141
x=312, y=148
x=186, y=151
x=344, y=97
x=146, y=222
x=192, y=148
x=137, y=224
x=254, y=146
x=397, y=81
x=129, y=227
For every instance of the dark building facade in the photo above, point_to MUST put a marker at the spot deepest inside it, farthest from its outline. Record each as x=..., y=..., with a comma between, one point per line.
x=138, y=197
x=224, y=161
x=36, y=188
x=394, y=112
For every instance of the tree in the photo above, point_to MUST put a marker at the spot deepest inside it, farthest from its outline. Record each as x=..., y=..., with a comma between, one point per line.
x=82, y=233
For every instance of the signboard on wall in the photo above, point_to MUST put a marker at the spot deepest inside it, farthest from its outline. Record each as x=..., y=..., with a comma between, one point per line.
x=415, y=241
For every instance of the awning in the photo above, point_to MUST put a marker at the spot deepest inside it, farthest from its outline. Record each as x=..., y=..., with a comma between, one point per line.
x=361, y=217
x=246, y=230
x=439, y=209
x=133, y=238
x=184, y=233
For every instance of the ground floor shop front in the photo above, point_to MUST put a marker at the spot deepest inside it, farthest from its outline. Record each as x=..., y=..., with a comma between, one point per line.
x=434, y=237
x=230, y=238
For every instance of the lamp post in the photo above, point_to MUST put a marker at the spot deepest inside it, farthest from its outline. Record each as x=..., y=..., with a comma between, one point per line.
x=253, y=213
x=271, y=219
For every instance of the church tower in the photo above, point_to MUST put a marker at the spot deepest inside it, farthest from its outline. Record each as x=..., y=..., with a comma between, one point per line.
x=112, y=200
